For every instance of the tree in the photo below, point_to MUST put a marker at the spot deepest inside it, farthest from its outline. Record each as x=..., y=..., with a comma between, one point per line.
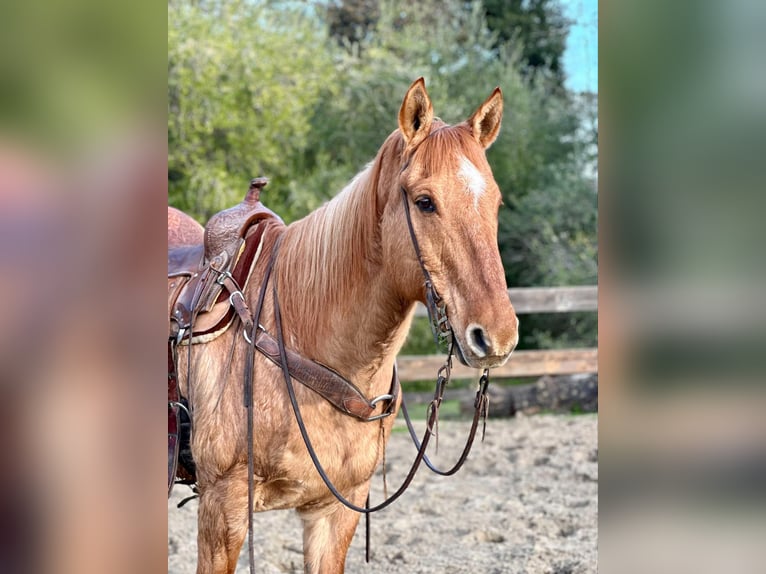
x=350, y=21
x=549, y=237
x=261, y=88
x=539, y=26
x=243, y=80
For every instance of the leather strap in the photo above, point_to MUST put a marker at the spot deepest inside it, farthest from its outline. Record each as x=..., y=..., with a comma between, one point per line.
x=432, y=417
x=341, y=393
x=239, y=276
x=173, y=420
x=248, y=396
x=437, y=310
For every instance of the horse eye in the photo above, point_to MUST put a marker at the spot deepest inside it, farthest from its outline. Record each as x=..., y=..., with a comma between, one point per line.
x=425, y=204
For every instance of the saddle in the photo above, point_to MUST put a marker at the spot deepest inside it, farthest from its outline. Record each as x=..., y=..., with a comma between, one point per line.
x=203, y=263
x=208, y=270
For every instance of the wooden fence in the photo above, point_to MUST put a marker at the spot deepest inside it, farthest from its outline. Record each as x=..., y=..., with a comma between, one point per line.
x=522, y=363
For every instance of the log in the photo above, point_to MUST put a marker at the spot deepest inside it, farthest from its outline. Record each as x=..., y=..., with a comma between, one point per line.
x=557, y=394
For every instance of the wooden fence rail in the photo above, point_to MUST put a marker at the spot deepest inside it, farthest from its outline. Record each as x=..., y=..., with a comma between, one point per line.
x=547, y=300
x=523, y=363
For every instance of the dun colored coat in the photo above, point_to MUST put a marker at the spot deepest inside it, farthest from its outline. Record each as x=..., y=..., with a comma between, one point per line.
x=348, y=280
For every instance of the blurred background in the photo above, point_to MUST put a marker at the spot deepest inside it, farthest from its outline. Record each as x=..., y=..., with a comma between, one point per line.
x=87, y=95
x=83, y=158
x=682, y=324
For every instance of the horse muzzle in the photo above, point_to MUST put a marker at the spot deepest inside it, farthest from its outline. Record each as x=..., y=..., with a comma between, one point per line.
x=478, y=348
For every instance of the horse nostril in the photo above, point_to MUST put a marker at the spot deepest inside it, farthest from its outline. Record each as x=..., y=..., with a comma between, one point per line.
x=478, y=340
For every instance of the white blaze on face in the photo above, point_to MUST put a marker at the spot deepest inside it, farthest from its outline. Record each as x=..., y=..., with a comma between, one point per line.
x=473, y=180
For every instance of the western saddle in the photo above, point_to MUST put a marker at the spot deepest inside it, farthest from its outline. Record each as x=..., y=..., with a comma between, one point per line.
x=204, y=262
x=208, y=270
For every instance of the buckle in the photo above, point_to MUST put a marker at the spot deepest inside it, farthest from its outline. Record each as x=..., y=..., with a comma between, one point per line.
x=375, y=401
x=244, y=333
x=231, y=297
x=177, y=404
x=222, y=276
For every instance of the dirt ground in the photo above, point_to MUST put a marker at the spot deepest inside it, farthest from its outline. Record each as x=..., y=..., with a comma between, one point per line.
x=525, y=502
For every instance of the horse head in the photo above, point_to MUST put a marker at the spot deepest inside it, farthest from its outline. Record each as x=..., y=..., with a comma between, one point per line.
x=453, y=201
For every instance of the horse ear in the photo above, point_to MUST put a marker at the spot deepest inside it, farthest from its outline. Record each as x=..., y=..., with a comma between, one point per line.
x=416, y=114
x=485, y=121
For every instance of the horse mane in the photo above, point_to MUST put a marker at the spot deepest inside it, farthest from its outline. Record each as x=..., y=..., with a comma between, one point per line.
x=333, y=233
x=328, y=253
x=334, y=250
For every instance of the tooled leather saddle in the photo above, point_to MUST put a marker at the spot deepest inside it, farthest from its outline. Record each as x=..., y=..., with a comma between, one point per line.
x=208, y=270
x=205, y=266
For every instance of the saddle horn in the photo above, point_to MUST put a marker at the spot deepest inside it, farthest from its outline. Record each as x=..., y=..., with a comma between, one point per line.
x=224, y=230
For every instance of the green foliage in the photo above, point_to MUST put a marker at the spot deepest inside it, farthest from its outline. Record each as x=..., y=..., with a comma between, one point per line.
x=76, y=73
x=266, y=88
x=549, y=234
x=549, y=238
x=349, y=21
x=420, y=340
x=243, y=81
x=539, y=26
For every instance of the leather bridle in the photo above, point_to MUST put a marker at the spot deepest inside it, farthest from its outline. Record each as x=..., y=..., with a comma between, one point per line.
x=437, y=309
x=442, y=330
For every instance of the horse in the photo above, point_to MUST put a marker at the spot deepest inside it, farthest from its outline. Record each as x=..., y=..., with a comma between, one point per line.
x=346, y=279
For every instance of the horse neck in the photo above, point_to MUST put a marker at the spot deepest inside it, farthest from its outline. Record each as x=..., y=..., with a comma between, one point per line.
x=340, y=309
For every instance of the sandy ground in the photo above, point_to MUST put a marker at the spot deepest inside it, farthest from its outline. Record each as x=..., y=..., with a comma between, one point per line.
x=525, y=502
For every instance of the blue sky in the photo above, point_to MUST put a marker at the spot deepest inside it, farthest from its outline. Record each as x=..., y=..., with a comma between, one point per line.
x=581, y=54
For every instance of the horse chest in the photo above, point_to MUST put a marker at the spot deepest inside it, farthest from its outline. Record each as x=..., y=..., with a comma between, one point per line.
x=349, y=461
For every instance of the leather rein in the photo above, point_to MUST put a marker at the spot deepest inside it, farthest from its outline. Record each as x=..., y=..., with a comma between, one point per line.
x=442, y=330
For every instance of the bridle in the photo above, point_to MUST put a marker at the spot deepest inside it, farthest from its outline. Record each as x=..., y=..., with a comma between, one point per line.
x=442, y=330
x=437, y=309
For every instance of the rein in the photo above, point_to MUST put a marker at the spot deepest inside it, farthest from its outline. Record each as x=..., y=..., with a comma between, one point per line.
x=312, y=453
x=248, y=397
x=481, y=410
x=442, y=331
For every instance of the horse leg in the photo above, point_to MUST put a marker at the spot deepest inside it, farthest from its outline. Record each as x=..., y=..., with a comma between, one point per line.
x=222, y=523
x=327, y=533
